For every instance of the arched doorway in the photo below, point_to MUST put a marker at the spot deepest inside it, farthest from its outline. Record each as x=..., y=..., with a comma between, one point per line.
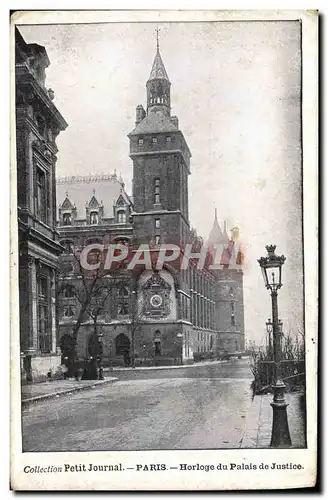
x=122, y=344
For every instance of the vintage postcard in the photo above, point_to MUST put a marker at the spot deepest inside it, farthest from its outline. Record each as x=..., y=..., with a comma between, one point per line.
x=164, y=250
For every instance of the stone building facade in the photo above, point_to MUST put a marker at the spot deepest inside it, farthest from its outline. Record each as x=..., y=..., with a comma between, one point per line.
x=38, y=123
x=171, y=315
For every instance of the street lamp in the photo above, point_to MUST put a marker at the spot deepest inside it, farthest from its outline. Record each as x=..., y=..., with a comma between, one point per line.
x=271, y=267
x=269, y=328
x=134, y=312
x=99, y=357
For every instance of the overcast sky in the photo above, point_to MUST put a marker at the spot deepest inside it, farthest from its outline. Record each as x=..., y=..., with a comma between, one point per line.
x=236, y=91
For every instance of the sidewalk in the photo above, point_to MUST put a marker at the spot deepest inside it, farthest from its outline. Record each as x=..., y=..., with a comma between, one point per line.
x=258, y=426
x=32, y=393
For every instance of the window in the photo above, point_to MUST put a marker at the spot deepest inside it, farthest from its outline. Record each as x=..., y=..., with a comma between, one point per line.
x=67, y=219
x=122, y=309
x=233, y=318
x=157, y=345
x=42, y=287
x=168, y=139
x=44, y=326
x=94, y=218
x=157, y=190
x=121, y=217
x=94, y=257
x=154, y=140
x=41, y=202
x=140, y=142
x=157, y=239
x=69, y=311
x=69, y=292
x=157, y=223
x=123, y=292
x=123, y=301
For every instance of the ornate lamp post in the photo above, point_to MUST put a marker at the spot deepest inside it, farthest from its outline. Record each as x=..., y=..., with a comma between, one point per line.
x=271, y=267
x=269, y=328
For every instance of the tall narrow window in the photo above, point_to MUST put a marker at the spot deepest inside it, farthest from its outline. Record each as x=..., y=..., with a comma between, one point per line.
x=41, y=201
x=157, y=239
x=121, y=217
x=157, y=190
x=94, y=219
x=67, y=219
x=123, y=301
x=233, y=317
x=157, y=223
x=69, y=311
x=69, y=292
x=44, y=335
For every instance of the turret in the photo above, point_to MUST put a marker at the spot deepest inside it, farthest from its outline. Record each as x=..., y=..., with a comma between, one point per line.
x=158, y=88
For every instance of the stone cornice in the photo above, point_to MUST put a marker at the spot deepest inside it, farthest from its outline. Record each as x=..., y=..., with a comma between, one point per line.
x=25, y=78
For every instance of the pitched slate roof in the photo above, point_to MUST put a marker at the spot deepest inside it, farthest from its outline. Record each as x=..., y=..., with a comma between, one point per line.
x=154, y=123
x=216, y=234
x=81, y=190
x=158, y=70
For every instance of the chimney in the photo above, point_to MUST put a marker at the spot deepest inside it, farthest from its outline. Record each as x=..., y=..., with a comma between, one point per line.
x=175, y=121
x=140, y=113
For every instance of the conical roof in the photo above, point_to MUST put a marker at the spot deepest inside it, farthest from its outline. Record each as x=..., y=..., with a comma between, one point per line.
x=158, y=70
x=216, y=232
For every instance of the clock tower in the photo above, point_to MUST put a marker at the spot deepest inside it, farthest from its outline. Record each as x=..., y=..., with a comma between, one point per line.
x=161, y=165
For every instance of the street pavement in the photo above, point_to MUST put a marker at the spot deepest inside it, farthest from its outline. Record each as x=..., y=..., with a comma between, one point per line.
x=198, y=407
x=188, y=408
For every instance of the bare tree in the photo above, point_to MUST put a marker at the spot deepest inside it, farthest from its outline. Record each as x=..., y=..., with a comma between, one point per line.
x=92, y=292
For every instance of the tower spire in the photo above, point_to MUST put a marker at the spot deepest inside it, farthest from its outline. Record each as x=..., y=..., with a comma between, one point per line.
x=158, y=85
x=157, y=39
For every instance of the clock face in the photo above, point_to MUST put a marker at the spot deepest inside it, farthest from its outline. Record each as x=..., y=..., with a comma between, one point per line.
x=156, y=300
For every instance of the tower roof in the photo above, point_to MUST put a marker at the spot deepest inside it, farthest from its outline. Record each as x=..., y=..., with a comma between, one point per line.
x=158, y=70
x=216, y=232
x=154, y=123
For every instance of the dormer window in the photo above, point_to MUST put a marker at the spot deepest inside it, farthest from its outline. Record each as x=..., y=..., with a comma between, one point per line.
x=140, y=142
x=67, y=219
x=121, y=217
x=94, y=219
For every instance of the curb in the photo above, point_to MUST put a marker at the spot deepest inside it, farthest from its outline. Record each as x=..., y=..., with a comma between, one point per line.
x=36, y=399
x=167, y=367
